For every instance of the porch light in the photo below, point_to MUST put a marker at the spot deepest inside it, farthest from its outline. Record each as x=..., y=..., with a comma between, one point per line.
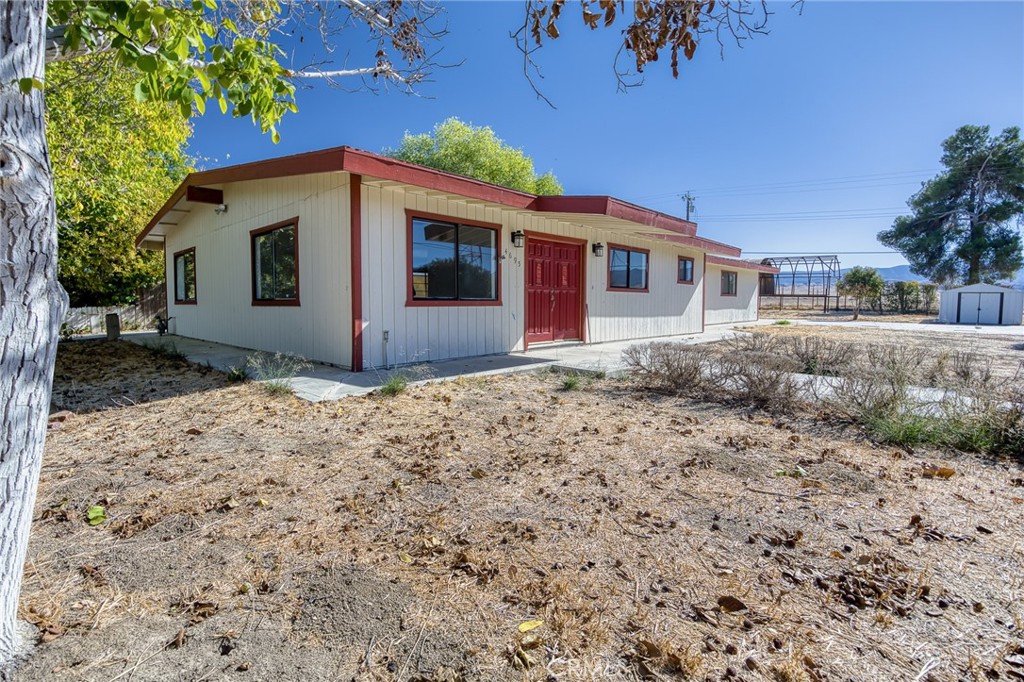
x=518, y=239
x=598, y=250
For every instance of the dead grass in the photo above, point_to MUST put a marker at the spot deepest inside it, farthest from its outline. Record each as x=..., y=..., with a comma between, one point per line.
x=260, y=537
x=1003, y=355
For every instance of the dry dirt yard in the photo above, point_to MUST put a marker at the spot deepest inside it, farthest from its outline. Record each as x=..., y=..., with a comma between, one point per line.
x=249, y=536
x=843, y=316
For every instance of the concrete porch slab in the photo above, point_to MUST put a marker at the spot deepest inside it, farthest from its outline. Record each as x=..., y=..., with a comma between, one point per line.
x=319, y=382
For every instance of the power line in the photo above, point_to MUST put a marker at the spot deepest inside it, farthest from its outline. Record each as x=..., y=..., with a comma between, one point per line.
x=815, y=253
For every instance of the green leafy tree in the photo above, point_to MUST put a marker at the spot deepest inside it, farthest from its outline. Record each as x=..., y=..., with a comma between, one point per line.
x=965, y=221
x=902, y=297
x=863, y=284
x=476, y=152
x=115, y=159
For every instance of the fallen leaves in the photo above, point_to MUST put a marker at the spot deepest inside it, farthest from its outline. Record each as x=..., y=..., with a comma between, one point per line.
x=530, y=625
x=731, y=604
x=945, y=473
x=96, y=515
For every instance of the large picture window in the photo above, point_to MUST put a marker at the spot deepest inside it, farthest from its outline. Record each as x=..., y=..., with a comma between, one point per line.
x=275, y=264
x=685, y=274
x=185, y=277
x=728, y=283
x=627, y=268
x=453, y=261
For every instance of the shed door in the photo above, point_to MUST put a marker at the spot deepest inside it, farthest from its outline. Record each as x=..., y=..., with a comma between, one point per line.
x=553, y=291
x=980, y=308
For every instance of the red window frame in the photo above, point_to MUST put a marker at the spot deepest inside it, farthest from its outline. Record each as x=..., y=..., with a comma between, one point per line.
x=195, y=276
x=410, y=300
x=647, y=274
x=735, y=282
x=291, y=222
x=692, y=270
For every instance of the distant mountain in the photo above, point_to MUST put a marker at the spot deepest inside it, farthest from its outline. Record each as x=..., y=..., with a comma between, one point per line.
x=897, y=273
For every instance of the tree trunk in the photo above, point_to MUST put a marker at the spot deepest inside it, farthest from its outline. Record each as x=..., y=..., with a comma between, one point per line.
x=32, y=302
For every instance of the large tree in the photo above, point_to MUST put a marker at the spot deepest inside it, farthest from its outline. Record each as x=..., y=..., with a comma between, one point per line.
x=114, y=160
x=965, y=222
x=475, y=152
x=189, y=53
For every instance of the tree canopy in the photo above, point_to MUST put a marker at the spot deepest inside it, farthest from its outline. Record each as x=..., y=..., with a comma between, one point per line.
x=964, y=225
x=864, y=284
x=115, y=160
x=476, y=152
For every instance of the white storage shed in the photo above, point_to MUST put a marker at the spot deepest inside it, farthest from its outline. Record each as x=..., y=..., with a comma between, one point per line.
x=981, y=304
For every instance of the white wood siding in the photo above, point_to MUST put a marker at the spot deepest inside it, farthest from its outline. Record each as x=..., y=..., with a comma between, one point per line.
x=421, y=334
x=319, y=329
x=729, y=309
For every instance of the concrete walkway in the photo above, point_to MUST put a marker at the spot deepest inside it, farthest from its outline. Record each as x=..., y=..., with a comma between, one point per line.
x=324, y=382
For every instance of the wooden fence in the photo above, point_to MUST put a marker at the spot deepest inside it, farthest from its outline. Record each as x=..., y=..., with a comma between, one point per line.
x=91, y=320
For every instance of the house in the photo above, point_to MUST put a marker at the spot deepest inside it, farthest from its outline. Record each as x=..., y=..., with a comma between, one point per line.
x=981, y=304
x=358, y=260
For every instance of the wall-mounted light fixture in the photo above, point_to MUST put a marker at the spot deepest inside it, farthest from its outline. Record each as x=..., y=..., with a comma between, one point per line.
x=518, y=239
x=220, y=209
x=598, y=249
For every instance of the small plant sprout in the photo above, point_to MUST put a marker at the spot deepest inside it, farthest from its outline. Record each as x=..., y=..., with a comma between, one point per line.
x=275, y=372
x=572, y=381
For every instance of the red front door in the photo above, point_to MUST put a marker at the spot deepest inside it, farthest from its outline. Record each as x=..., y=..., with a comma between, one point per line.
x=553, y=295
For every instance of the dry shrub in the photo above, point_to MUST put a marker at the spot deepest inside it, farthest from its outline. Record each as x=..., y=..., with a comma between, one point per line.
x=754, y=342
x=971, y=369
x=672, y=366
x=763, y=379
x=898, y=365
x=821, y=355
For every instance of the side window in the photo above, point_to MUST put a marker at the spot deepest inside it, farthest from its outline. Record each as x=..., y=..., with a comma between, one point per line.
x=728, y=283
x=685, y=274
x=185, y=276
x=275, y=264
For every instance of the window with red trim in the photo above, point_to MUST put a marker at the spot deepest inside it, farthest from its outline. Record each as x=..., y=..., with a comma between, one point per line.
x=453, y=261
x=185, y=276
x=627, y=269
x=685, y=274
x=275, y=264
x=728, y=283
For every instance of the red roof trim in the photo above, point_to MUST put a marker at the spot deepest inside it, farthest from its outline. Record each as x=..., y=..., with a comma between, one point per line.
x=709, y=245
x=745, y=264
x=614, y=208
x=368, y=164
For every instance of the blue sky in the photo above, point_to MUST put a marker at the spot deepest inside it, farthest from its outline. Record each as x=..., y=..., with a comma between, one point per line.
x=809, y=139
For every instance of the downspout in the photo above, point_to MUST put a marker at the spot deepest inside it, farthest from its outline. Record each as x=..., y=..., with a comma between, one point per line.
x=355, y=212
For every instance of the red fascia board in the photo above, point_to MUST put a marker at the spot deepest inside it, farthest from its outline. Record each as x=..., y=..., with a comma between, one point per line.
x=745, y=264
x=369, y=164
x=614, y=208
x=386, y=168
x=709, y=245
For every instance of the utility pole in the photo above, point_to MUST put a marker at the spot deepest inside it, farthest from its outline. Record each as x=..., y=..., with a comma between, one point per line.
x=689, y=204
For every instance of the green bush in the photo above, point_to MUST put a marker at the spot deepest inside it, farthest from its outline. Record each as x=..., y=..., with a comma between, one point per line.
x=395, y=384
